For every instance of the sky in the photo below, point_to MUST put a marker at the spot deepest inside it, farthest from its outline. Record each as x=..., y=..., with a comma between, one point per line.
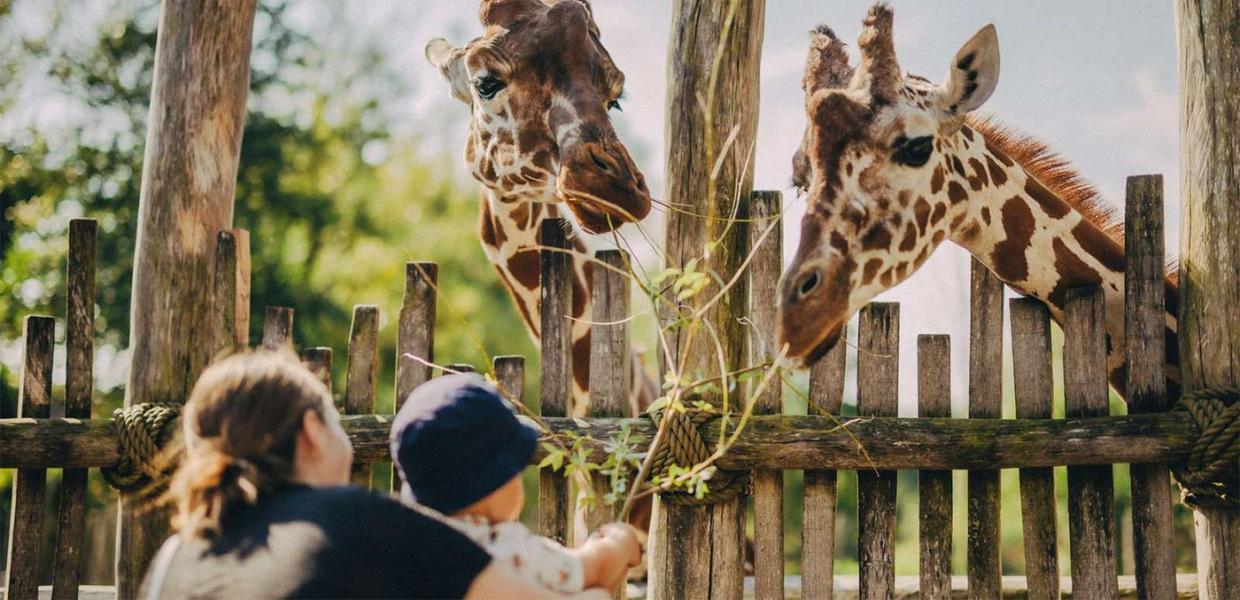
x=1095, y=80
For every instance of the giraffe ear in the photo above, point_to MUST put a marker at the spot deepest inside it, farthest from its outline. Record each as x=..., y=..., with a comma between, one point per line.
x=451, y=63
x=973, y=75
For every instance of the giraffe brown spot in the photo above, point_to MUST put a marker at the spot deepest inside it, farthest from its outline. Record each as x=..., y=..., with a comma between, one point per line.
x=1073, y=273
x=996, y=172
x=504, y=137
x=581, y=361
x=956, y=221
x=978, y=179
x=921, y=212
x=958, y=166
x=970, y=233
x=967, y=133
x=1100, y=246
x=936, y=180
x=877, y=238
x=1008, y=256
x=487, y=169
x=871, y=269
x=922, y=256
x=838, y=242
x=939, y=211
x=501, y=236
x=524, y=266
x=995, y=152
x=1049, y=202
x=956, y=193
x=938, y=237
x=910, y=238
x=986, y=215
x=521, y=214
x=888, y=278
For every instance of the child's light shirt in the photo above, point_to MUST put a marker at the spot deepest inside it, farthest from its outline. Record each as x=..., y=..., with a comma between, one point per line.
x=536, y=558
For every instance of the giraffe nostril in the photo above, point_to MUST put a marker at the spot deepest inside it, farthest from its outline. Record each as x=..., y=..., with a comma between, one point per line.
x=809, y=283
x=604, y=163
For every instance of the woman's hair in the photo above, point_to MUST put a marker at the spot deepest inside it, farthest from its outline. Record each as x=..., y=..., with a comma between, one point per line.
x=240, y=429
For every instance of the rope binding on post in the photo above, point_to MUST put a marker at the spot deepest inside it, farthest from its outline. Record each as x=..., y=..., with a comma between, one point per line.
x=142, y=432
x=684, y=446
x=1211, y=475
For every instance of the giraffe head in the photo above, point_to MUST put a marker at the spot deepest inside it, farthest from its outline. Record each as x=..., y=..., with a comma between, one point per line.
x=539, y=84
x=872, y=162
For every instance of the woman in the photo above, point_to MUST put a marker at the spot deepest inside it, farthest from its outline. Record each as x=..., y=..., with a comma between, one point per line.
x=262, y=509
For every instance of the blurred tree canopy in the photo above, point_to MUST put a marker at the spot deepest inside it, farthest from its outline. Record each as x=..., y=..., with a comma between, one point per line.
x=334, y=204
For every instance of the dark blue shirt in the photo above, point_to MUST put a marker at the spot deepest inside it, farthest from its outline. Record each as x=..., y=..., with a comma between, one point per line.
x=324, y=543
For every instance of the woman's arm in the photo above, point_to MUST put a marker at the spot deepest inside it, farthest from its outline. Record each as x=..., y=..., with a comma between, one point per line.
x=501, y=581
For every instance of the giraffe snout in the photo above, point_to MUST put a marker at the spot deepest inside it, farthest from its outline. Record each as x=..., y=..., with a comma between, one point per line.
x=602, y=186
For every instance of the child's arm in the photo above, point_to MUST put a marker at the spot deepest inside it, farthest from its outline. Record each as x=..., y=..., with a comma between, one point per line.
x=608, y=555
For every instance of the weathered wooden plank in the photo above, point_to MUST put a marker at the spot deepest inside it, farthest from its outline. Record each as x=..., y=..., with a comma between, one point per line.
x=26, y=514
x=1091, y=515
x=610, y=360
x=231, y=291
x=789, y=442
x=1145, y=324
x=878, y=367
x=510, y=375
x=277, y=328
x=362, y=376
x=985, y=402
x=79, y=383
x=934, y=399
x=319, y=360
x=461, y=368
x=1031, y=362
x=768, y=486
x=826, y=395
x=416, y=332
x=1208, y=32
x=555, y=381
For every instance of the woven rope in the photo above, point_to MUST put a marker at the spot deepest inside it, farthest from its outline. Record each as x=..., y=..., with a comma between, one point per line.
x=684, y=446
x=141, y=432
x=1211, y=475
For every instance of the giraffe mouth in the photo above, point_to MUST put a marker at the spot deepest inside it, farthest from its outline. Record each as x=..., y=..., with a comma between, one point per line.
x=596, y=216
x=819, y=350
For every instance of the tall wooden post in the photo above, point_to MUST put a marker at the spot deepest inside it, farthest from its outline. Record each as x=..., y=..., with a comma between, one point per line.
x=1209, y=325
x=712, y=116
x=202, y=76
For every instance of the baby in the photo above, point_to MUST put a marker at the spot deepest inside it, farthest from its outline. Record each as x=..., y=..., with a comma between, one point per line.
x=459, y=451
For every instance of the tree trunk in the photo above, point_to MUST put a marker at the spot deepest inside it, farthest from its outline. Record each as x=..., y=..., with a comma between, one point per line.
x=699, y=550
x=202, y=76
x=1209, y=325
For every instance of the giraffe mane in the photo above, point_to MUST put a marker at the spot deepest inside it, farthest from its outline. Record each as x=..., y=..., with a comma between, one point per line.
x=1059, y=176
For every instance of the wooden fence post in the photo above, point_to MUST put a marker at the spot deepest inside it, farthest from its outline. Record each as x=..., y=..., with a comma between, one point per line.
x=231, y=290
x=1209, y=315
x=1032, y=374
x=768, y=486
x=698, y=550
x=1145, y=325
x=985, y=402
x=826, y=396
x=416, y=332
x=556, y=380
x=79, y=384
x=198, y=97
x=26, y=514
x=1091, y=512
x=878, y=369
x=277, y=328
x=363, y=373
x=319, y=360
x=611, y=362
x=934, y=399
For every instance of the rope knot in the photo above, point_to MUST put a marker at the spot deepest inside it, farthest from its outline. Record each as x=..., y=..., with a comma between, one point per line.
x=684, y=446
x=142, y=430
x=1211, y=475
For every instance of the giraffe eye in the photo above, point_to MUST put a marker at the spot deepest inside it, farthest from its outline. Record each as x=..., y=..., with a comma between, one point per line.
x=488, y=86
x=614, y=105
x=809, y=283
x=914, y=152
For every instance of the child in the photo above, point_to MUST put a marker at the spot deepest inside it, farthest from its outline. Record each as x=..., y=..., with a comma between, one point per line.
x=460, y=450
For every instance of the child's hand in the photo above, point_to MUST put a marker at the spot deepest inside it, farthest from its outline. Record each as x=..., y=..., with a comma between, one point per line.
x=626, y=540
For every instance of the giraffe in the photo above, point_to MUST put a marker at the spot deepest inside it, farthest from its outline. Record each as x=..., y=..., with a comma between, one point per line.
x=893, y=165
x=539, y=85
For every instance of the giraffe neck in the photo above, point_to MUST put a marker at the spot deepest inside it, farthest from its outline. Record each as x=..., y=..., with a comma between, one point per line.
x=1038, y=243
x=509, y=226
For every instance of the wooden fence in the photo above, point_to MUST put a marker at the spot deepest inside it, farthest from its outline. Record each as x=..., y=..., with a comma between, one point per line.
x=875, y=443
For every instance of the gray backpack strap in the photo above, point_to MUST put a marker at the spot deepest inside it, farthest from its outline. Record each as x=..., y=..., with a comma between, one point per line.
x=160, y=566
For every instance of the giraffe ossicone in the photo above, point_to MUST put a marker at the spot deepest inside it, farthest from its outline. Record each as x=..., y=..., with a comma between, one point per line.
x=893, y=165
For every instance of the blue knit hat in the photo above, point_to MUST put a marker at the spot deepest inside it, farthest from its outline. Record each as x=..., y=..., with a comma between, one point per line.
x=456, y=440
